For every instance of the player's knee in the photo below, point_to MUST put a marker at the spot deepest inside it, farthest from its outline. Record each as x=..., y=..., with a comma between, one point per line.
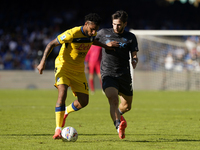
x=127, y=107
x=84, y=102
x=111, y=96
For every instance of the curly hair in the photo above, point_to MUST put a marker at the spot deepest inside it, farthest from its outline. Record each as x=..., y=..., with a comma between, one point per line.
x=122, y=15
x=93, y=17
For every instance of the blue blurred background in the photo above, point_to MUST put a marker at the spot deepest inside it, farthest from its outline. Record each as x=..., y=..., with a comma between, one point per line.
x=26, y=27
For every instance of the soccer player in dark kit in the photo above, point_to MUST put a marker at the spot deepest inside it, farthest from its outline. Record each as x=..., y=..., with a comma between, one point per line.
x=115, y=69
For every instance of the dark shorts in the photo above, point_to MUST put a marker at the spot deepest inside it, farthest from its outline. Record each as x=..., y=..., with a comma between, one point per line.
x=123, y=84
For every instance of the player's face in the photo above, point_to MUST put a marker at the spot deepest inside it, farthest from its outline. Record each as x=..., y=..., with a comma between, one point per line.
x=91, y=28
x=118, y=26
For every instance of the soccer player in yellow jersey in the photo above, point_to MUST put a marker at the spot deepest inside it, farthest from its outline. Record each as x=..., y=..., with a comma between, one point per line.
x=69, y=66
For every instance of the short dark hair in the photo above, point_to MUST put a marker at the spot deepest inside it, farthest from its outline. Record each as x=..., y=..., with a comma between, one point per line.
x=93, y=17
x=122, y=15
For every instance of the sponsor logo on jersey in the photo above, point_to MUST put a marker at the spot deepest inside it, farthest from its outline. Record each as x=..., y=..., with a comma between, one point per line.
x=122, y=45
x=84, y=47
x=108, y=35
x=63, y=37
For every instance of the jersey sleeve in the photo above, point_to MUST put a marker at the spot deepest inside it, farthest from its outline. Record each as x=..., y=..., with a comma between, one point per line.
x=65, y=37
x=134, y=45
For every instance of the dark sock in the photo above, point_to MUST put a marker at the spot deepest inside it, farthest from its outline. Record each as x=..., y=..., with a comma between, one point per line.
x=117, y=123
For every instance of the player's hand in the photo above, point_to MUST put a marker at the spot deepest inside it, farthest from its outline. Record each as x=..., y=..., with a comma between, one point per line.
x=134, y=63
x=41, y=67
x=113, y=44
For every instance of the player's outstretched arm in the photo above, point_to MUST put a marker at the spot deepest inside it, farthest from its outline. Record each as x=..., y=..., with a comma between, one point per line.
x=47, y=51
x=109, y=46
x=134, y=59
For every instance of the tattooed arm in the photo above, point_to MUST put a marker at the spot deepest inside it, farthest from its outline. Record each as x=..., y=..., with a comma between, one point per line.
x=47, y=51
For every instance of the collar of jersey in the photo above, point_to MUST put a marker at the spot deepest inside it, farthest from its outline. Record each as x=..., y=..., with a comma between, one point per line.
x=82, y=31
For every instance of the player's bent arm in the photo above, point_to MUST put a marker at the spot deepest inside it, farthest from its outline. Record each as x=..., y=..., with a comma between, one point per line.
x=47, y=51
x=49, y=48
x=108, y=46
x=134, y=59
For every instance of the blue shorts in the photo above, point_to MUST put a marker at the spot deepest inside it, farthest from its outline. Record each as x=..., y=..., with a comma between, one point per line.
x=122, y=83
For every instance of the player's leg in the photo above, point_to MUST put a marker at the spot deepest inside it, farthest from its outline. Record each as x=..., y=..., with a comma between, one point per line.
x=97, y=68
x=110, y=87
x=99, y=76
x=91, y=76
x=79, y=87
x=61, y=82
x=81, y=102
x=112, y=95
x=125, y=92
x=60, y=109
x=91, y=82
x=126, y=95
x=124, y=106
x=126, y=103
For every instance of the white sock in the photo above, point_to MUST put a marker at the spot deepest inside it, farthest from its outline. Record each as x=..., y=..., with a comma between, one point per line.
x=118, y=130
x=58, y=128
x=66, y=111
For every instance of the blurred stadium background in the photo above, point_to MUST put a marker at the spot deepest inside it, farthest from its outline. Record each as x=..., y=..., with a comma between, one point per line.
x=27, y=26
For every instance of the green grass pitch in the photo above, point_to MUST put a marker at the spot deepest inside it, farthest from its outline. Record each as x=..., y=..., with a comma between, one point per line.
x=158, y=120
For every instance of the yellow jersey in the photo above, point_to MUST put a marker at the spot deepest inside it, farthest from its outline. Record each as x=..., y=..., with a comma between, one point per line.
x=75, y=45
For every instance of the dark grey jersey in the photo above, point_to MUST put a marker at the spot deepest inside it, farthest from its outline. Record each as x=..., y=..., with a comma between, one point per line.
x=116, y=63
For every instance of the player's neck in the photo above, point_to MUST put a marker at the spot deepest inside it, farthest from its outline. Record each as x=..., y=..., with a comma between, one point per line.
x=83, y=30
x=120, y=33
